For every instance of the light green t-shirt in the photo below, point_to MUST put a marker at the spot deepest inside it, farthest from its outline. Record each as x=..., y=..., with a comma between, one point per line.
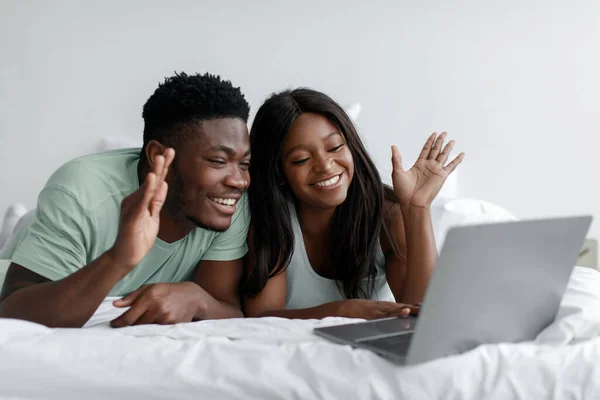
x=77, y=219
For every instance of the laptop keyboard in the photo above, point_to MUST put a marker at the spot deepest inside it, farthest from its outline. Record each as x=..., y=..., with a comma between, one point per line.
x=397, y=344
x=361, y=331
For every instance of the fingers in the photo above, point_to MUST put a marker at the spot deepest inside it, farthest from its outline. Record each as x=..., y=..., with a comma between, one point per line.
x=415, y=310
x=149, y=317
x=149, y=189
x=434, y=150
x=403, y=310
x=153, y=181
x=130, y=316
x=130, y=298
x=159, y=199
x=443, y=157
x=392, y=309
x=155, y=189
x=398, y=312
x=396, y=160
x=161, y=167
x=437, y=146
x=454, y=163
x=168, y=158
x=427, y=147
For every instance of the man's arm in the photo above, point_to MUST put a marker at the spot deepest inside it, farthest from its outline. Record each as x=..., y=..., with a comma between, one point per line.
x=17, y=278
x=221, y=281
x=72, y=300
x=69, y=302
x=212, y=295
x=220, y=271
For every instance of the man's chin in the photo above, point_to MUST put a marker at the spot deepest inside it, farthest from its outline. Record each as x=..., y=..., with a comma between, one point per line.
x=208, y=227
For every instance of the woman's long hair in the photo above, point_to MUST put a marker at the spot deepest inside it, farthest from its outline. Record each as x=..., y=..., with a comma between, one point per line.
x=357, y=222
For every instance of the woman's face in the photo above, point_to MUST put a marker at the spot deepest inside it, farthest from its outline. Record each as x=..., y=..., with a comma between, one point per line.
x=317, y=162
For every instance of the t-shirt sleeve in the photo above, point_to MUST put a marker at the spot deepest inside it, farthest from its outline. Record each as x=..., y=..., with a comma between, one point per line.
x=231, y=244
x=57, y=240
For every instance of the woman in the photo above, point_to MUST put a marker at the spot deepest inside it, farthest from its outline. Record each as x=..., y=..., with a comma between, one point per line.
x=328, y=238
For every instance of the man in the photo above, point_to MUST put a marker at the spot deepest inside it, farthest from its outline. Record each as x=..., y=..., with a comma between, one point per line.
x=165, y=226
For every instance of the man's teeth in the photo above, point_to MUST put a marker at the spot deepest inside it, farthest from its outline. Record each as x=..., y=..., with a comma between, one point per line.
x=227, y=202
x=329, y=182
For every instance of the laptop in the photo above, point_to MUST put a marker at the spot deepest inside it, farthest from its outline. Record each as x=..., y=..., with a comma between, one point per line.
x=492, y=283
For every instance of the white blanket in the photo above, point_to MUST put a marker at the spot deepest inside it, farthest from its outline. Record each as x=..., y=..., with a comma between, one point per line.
x=274, y=358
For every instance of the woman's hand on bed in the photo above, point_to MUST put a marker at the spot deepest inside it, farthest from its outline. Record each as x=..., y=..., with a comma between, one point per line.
x=160, y=303
x=371, y=309
x=419, y=186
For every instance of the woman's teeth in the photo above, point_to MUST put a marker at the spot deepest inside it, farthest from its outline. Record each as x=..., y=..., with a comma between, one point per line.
x=226, y=202
x=328, y=182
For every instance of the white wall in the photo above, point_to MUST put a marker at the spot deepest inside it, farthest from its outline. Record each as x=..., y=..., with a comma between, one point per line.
x=515, y=82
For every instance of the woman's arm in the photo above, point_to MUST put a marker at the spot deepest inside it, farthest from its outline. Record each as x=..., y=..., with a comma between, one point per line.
x=409, y=274
x=416, y=189
x=270, y=302
x=421, y=252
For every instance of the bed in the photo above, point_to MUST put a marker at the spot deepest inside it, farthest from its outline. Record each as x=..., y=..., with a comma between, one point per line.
x=274, y=358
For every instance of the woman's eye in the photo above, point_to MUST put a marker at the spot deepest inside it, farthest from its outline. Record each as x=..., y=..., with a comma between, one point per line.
x=336, y=148
x=299, y=162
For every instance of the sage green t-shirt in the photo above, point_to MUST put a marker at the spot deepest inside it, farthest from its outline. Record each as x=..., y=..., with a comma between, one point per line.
x=77, y=219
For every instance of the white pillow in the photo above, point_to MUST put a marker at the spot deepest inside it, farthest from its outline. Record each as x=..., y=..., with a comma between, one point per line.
x=353, y=111
x=447, y=213
x=13, y=213
x=9, y=247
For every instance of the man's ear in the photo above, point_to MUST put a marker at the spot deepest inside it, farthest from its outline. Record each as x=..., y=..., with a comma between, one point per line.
x=153, y=149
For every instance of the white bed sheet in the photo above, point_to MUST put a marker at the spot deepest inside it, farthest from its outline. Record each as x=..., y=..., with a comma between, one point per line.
x=275, y=358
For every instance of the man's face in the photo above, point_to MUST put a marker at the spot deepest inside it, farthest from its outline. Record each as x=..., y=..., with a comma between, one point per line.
x=210, y=173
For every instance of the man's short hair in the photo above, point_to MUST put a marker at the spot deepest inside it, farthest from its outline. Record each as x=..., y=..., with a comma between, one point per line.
x=184, y=99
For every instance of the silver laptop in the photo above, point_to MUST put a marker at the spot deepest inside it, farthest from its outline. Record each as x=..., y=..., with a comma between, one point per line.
x=492, y=283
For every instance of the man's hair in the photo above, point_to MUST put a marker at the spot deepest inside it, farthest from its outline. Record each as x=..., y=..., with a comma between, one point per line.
x=187, y=99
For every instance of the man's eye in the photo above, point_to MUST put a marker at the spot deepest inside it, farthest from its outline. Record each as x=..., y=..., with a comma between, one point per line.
x=245, y=165
x=215, y=161
x=299, y=162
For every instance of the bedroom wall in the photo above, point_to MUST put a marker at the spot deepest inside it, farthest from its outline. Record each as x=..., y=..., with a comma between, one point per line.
x=515, y=83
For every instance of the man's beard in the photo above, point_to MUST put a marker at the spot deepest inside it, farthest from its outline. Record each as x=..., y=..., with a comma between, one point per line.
x=175, y=202
x=199, y=224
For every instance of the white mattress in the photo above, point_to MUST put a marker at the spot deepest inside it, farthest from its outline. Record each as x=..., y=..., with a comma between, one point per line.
x=275, y=358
